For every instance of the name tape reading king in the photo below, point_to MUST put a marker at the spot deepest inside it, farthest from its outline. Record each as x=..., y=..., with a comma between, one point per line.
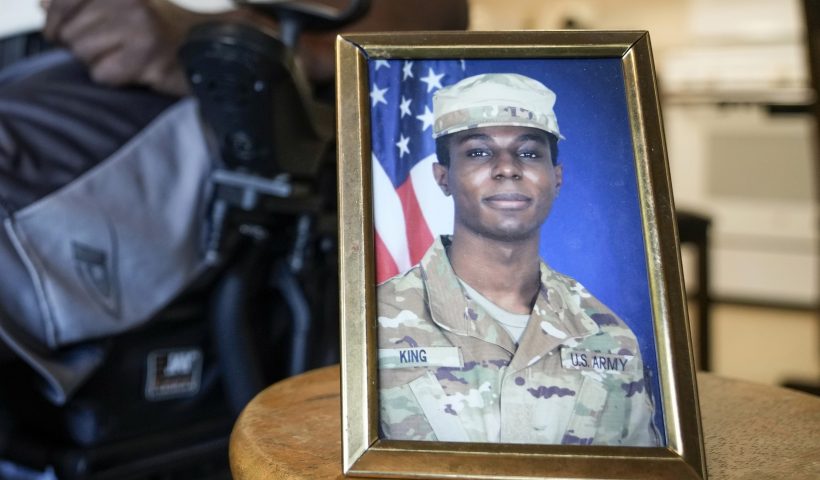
x=420, y=357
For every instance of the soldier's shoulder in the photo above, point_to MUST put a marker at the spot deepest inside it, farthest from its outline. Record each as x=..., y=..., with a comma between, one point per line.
x=609, y=323
x=554, y=277
x=403, y=313
x=402, y=285
x=404, y=292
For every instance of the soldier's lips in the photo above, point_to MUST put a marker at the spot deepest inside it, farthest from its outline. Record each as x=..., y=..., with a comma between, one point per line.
x=508, y=201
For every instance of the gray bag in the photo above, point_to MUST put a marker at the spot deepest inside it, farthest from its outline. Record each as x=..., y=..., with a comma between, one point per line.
x=107, y=251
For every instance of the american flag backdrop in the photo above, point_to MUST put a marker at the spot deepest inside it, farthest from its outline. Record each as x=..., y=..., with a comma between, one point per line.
x=410, y=209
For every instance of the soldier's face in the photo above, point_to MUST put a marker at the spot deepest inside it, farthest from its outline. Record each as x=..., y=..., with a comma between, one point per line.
x=502, y=181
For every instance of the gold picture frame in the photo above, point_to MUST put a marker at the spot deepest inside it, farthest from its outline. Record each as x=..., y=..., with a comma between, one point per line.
x=364, y=453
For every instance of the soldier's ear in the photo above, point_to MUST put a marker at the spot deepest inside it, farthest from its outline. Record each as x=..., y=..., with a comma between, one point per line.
x=440, y=173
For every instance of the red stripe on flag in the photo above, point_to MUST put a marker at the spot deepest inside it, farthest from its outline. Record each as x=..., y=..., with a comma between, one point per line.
x=385, y=265
x=419, y=237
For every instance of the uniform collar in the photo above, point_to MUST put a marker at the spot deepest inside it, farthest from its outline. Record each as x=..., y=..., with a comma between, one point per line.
x=557, y=316
x=451, y=307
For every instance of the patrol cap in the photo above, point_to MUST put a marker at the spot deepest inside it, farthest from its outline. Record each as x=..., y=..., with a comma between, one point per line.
x=494, y=99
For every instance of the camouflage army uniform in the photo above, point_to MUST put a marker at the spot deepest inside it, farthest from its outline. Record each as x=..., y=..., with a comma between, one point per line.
x=450, y=372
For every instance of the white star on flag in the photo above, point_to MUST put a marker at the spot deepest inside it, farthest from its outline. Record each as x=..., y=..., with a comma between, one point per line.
x=432, y=80
x=405, y=106
x=402, y=144
x=377, y=95
x=426, y=118
x=382, y=63
x=406, y=70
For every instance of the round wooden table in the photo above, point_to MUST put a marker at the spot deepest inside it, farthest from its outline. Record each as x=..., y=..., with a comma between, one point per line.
x=292, y=430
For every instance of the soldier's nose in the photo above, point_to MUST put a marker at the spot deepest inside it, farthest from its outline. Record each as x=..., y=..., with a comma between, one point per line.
x=506, y=166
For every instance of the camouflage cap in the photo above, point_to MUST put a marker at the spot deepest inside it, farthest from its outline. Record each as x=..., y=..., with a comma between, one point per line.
x=494, y=99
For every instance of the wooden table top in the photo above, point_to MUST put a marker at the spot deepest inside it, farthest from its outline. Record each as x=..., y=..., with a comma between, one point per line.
x=292, y=430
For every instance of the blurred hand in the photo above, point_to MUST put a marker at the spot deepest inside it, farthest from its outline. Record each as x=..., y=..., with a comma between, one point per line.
x=124, y=41
x=136, y=41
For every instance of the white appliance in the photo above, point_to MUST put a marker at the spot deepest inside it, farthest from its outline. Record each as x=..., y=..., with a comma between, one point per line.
x=737, y=157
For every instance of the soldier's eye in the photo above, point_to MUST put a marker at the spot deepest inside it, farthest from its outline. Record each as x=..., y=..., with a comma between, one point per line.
x=478, y=152
x=529, y=154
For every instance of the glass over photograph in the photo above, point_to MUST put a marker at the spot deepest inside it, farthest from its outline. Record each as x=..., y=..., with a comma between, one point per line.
x=513, y=298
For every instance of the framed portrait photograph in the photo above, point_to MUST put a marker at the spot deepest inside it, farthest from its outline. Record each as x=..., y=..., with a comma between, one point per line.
x=512, y=302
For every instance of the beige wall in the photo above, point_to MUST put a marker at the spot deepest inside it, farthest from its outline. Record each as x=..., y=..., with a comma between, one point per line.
x=665, y=19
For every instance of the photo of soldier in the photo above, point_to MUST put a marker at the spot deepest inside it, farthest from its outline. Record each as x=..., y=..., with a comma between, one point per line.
x=481, y=340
